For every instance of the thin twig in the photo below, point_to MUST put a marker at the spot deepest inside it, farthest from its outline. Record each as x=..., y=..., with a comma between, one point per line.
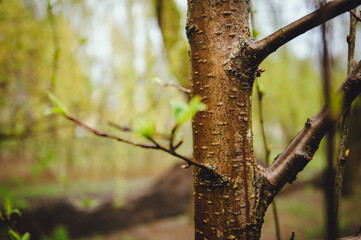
x=56, y=51
x=179, y=143
x=357, y=17
x=107, y=135
x=180, y=88
x=121, y=128
x=265, y=142
x=155, y=144
x=130, y=129
x=267, y=156
x=292, y=236
x=342, y=153
x=172, y=136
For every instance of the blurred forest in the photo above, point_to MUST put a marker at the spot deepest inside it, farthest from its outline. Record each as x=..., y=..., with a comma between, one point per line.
x=108, y=62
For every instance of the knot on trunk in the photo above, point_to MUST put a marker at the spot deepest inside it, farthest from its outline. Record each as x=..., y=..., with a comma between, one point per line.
x=242, y=65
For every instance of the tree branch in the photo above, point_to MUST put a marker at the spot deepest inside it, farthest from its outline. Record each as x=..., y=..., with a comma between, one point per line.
x=357, y=17
x=343, y=152
x=301, y=150
x=155, y=144
x=180, y=88
x=125, y=128
x=261, y=49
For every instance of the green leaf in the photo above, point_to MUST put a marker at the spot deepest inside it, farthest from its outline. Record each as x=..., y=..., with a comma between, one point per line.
x=17, y=211
x=83, y=40
x=255, y=33
x=157, y=79
x=14, y=235
x=26, y=236
x=8, y=206
x=182, y=112
x=144, y=127
x=261, y=88
x=58, y=107
x=178, y=110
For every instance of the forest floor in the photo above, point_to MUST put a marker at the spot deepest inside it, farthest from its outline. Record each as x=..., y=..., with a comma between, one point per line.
x=300, y=211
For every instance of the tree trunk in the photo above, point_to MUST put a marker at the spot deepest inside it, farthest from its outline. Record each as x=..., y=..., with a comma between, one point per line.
x=231, y=191
x=225, y=205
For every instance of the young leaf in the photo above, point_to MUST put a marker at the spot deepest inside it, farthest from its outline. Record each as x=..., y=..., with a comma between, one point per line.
x=196, y=105
x=178, y=110
x=8, y=206
x=58, y=107
x=156, y=79
x=255, y=33
x=17, y=211
x=83, y=40
x=26, y=236
x=145, y=127
x=14, y=235
x=261, y=89
x=182, y=112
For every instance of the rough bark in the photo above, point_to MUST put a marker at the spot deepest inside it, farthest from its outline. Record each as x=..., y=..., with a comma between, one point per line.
x=232, y=197
x=222, y=135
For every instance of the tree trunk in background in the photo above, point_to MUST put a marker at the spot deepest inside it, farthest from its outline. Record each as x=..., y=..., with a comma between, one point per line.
x=169, y=19
x=222, y=136
x=352, y=166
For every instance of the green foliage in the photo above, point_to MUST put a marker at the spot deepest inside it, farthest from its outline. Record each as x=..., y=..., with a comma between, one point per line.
x=14, y=235
x=83, y=40
x=26, y=69
x=144, y=127
x=26, y=236
x=9, y=209
x=88, y=202
x=261, y=89
x=255, y=33
x=156, y=79
x=60, y=233
x=58, y=107
x=183, y=112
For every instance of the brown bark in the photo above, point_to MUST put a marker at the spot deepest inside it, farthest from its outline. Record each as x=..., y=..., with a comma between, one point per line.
x=222, y=135
x=232, y=192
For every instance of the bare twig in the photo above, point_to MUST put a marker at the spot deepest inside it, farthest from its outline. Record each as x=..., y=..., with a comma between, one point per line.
x=56, y=51
x=172, y=136
x=180, y=88
x=262, y=48
x=130, y=129
x=155, y=145
x=343, y=154
x=267, y=156
x=121, y=128
x=357, y=236
x=302, y=148
x=265, y=142
x=357, y=17
x=292, y=236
